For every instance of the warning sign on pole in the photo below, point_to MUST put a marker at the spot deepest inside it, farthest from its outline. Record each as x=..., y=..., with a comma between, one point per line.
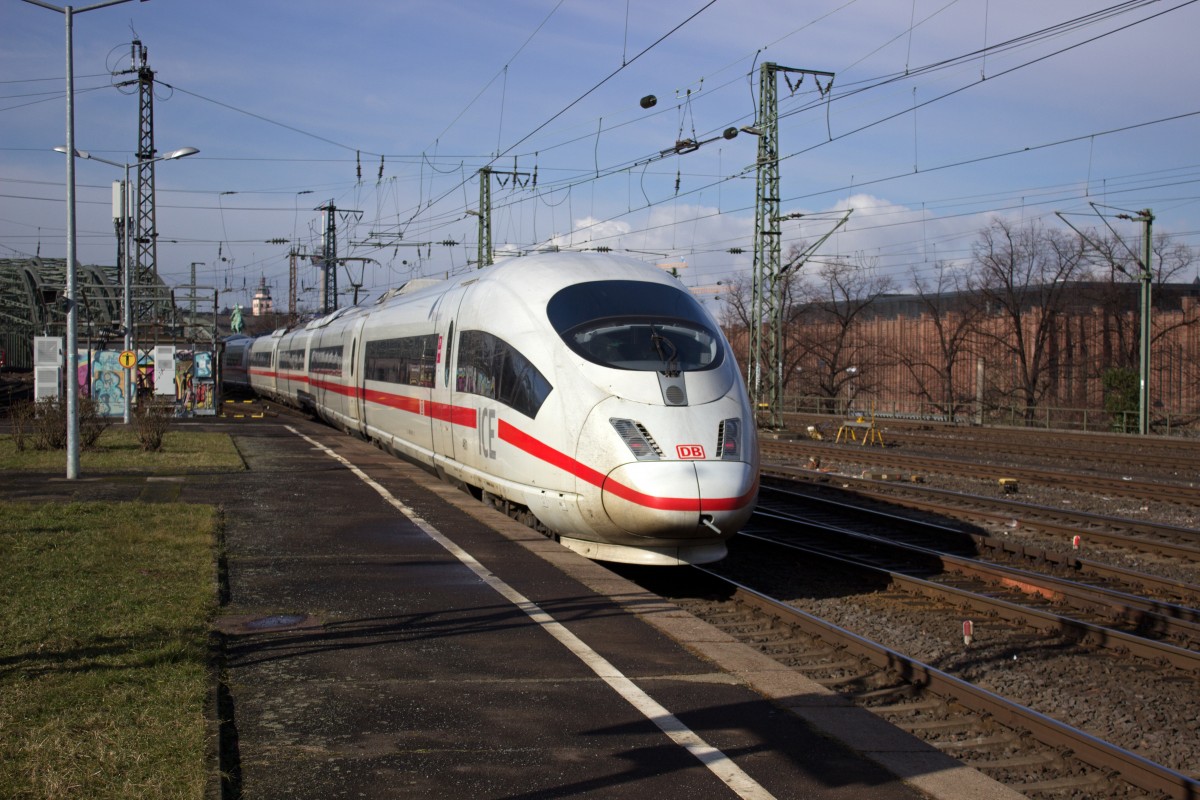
x=128, y=359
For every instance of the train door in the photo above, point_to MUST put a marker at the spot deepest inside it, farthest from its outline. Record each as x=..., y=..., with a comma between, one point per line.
x=268, y=360
x=444, y=400
x=316, y=380
x=352, y=375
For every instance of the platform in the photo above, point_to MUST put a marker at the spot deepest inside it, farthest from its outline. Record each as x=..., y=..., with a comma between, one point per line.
x=384, y=635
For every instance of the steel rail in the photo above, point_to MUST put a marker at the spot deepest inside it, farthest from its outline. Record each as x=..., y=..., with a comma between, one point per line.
x=1179, y=460
x=1135, y=769
x=987, y=434
x=1009, y=510
x=1164, y=586
x=1030, y=583
x=1166, y=492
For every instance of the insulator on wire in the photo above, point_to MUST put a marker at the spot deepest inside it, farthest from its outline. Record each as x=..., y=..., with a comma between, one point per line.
x=649, y=101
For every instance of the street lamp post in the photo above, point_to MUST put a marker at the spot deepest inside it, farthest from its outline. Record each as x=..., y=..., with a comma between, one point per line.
x=72, y=334
x=127, y=281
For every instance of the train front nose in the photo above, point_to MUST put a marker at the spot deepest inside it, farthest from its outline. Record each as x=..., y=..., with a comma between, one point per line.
x=680, y=499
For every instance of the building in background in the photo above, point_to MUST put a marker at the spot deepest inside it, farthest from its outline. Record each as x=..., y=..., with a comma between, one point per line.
x=262, y=305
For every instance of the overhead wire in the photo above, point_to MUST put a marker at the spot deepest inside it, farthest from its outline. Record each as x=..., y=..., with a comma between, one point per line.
x=503, y=69
x=1042, y=33
x=266, y=119
x=450, y=217
x=589, y=91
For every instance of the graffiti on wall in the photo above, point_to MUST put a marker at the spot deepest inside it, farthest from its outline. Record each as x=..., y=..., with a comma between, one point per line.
x=99, y=375
x=108, y=383
x=195, y=387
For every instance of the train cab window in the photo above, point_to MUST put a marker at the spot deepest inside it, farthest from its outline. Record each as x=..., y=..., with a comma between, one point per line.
x=490, y=367
x=635, y=325
x=409, y=360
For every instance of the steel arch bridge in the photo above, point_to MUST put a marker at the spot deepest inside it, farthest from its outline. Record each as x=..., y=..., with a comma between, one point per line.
x=32, y=303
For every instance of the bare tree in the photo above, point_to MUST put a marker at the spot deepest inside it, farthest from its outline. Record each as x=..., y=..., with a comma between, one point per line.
x=1116, y=267
x=946, y=307
x=837, y=358
x=735, y=317
x=735, y=308
x=1020, y=279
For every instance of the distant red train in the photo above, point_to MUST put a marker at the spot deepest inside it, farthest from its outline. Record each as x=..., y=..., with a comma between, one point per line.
x=588, y=393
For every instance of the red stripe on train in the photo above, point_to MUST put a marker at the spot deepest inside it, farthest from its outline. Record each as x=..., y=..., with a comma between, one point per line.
x=540, y=450
x=465, y=416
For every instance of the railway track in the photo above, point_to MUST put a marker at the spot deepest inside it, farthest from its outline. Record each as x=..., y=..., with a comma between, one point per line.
x=1019, y=746
x=791, y=453
x=1167, y=457
x=1102, y=616
x=1064, y=552
x=987, y=436
x=1075, y=670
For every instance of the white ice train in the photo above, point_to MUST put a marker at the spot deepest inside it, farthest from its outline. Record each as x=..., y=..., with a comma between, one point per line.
x=590, y=394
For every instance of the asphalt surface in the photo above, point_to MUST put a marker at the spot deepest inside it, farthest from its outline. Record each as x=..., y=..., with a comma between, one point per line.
x=361, y=658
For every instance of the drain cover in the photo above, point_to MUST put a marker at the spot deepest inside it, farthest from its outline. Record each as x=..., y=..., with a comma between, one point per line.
x=276, y=621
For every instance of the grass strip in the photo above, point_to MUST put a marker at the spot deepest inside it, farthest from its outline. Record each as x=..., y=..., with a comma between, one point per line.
x=118, y=450
x=104, y=611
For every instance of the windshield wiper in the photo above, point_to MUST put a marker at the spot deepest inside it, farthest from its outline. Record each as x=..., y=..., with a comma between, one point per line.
x=667, y=352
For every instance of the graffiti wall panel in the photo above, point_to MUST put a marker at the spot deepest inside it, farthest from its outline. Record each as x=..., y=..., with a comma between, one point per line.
x=108, y=383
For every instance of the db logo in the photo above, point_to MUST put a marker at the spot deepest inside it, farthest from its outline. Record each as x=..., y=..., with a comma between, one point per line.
x=690, y=450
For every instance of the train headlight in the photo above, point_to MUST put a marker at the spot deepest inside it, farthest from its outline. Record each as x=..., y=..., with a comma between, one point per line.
x=637, y=439
x=729, y=439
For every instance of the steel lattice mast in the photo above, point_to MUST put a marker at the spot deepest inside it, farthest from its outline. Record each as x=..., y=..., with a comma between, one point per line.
x=145, y=232
x=486, y=255
x=329, y=259
x=766, y=302
x=766, y=236
x=485, y=218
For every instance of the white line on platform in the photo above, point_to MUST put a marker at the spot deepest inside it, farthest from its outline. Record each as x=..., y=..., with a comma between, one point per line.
x=717, y=762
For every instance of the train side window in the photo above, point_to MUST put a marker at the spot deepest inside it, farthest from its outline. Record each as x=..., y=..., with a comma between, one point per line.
x=490, y=367
x=292, y=360
x=326, y=361
x=409, y=360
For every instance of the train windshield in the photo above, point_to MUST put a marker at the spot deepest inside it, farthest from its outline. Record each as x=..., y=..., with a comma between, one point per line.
x=635, y=325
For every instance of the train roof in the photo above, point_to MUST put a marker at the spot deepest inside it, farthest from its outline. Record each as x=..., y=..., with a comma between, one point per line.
x=539, y=277
x=535, y=277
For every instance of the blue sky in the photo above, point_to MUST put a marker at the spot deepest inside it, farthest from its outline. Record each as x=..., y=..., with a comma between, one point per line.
x=943, y=113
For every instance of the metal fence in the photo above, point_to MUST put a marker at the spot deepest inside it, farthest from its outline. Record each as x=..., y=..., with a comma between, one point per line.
x=1042, y=417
